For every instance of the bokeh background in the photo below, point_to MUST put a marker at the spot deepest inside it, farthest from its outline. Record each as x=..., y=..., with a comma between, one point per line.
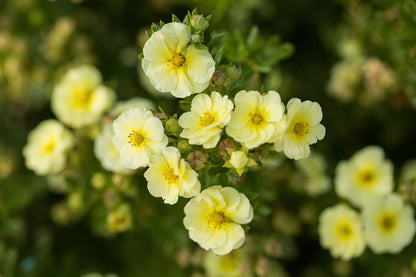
x=51, y=227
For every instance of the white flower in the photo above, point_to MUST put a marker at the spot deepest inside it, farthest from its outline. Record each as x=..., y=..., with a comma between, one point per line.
x=365, y=176
x=173, y=65
x=313, y=168
x=302, y=129
x=138, y=135
x=106, y=153
x=169, y=176
x=80, y=99
x=47, y=147
x=256, y=118
x=213, y=219
x=389, y=224
x=340, y=231
x=239, y=161
x=204, y=123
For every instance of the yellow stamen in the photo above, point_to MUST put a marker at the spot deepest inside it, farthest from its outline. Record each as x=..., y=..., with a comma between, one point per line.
x=301, y=129
x=344, y=230
x=366, y=177
x=206, y=119
x=135, y=138
x=388, y=222
x=178, y=60
x=49, y=147
x=216, y=219
x=170, y=176
x=82, y=98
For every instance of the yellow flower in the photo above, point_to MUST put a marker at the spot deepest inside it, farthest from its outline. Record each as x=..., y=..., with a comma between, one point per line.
x=138, y=135
x=204, y=123
x=80, y=99
x=365, y=176
x=173, y=65
x=340, y=231
x=47, y=147
x=234, y=264
x=119, y=220
x=302, y=128
x=135, y=102
x=389, y=224
x=239, y=161
x=313, y=168
x=213, y=219
x=256, y=118
x=106, y=153
x=169, y=176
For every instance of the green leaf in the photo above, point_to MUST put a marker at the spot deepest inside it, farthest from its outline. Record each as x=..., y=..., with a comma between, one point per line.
x=175, y=19
x=252, y=36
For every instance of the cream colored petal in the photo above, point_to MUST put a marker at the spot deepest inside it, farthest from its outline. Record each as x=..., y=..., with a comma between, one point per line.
x=176, y=36
x=200, y=65
x=155, y=49
x=162, y=76
x=184, y=87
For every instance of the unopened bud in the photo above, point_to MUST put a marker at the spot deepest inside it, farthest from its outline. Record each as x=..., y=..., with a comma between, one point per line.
x=172, y=127
x=184, y=146
x=225, y=146
x=197, y=159
x=199, y=23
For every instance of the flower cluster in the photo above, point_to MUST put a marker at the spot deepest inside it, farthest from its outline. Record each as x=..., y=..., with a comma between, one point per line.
x=386, y=224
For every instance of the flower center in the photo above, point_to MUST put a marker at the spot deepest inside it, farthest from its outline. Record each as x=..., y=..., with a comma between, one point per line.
x=257, y=119
x=344, y=230
x=387, y=223
x=170, y=176
x=366, y=177
x=301, y=129
x=206, y=119
x=216, y=219
x=49, y=147
x=82, y=98
x=135, y=138
x=178, y=60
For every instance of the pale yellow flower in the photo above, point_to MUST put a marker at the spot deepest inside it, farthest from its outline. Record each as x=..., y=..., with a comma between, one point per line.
x=106, y=153
x=47, y=147
x=302, y=128
x=169, y=176
x=213, y=219
x=239, y=161
x=135, y=102
x=119, y=220
x=389, y=224
x=234, y=264
x=80, y=99
x=340, y=230
x=173, y=65
x=365, y=176
x=256, y=118
x=313, y=168
x=204, y=123
x=138, y=135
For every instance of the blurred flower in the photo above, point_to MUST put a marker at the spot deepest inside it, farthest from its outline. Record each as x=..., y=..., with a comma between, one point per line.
x=208, y=115
x=255, y=118
x=239, y=161
x=389, y=224
x=234, y=264
x=138, y=135
x=174, y=66
x=106, y=153
x=313, y=168
x=213, y=219
x=345, y=76
x=365, y=176
x=119, y=220
x=169, y=176
x=377, y=78
x=47, y=147
x=135, y=102
x=340, y=231
x=57, y=38
x=80, y=99
x=302, y=129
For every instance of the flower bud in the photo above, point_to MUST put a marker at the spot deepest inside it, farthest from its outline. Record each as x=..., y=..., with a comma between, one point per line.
x=225, y=146
x=218, y=79
x=184, y=146
x=197, y=159
x=172, y=127
x=119, y=220
x=199, y=23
